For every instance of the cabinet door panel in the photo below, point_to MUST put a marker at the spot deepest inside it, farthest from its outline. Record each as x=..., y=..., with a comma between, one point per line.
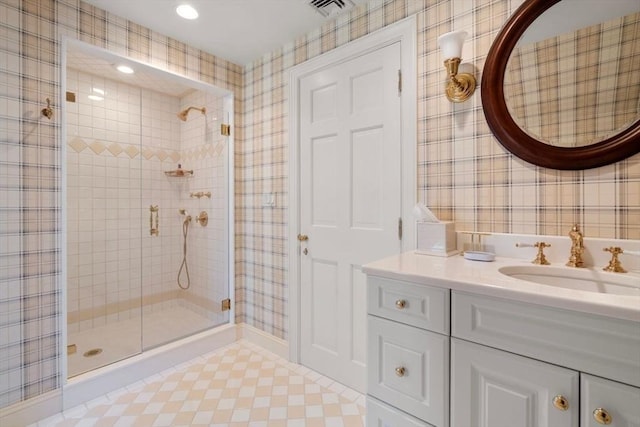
x=381, y=415
x=408, y=369
x=492, y=388
x=620, y=401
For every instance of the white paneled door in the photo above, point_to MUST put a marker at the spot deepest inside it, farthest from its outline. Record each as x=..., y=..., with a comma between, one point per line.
x=350, y=203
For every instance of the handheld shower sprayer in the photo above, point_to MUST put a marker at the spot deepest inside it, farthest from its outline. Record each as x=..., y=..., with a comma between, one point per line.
x=183, y=266
x=185, y=213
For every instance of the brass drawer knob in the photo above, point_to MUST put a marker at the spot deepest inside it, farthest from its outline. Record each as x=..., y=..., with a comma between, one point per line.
x=303, y=237
x=400, y=304
x=400, y=371
x=561, y=402
x=602, y=416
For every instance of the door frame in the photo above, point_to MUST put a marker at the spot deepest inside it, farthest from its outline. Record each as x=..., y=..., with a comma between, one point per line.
x=405, y=32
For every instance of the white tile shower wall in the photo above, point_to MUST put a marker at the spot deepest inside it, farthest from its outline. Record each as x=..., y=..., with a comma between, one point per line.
x=160, y=153
x=116, y=173
x=204, y=150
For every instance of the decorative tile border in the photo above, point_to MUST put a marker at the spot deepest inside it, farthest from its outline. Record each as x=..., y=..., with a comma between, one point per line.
x=116, y=149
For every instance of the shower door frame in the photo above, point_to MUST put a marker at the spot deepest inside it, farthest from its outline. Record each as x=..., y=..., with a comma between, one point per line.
x=228, y=110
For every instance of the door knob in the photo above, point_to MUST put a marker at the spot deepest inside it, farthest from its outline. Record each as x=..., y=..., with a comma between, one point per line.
x=303, y=237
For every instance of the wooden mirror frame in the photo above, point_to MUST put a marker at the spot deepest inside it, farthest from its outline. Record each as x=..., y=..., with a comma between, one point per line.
x=517, y=141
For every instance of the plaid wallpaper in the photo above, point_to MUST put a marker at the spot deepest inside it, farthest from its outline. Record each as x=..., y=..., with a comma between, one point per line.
x=30, y=289
x=577, y=88
x=464, y=174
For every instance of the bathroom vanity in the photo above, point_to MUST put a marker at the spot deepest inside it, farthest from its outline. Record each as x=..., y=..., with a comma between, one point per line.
x=453, y=342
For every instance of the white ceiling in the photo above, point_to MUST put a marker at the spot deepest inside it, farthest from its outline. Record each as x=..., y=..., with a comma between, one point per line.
x=237, y=30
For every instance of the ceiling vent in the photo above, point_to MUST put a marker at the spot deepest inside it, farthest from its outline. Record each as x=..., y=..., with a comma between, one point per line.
x=330, y=7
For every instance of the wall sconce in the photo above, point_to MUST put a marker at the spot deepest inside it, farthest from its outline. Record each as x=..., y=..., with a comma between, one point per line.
x=460, y=86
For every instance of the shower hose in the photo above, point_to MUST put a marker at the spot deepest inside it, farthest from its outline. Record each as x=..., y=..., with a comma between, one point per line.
x=184, y=266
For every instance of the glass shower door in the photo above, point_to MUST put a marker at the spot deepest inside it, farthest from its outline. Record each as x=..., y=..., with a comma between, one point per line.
x=185, y=266
x=148, y=207
x=103, y=213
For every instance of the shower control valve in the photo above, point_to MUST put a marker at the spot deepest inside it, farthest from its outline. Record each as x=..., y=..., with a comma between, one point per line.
x=202, y=219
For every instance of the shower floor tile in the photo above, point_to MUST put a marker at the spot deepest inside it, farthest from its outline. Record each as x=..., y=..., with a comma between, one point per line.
x=126, y=338
x=238, y=385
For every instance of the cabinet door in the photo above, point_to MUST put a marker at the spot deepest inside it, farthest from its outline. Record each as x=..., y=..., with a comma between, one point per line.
x=381, y=415
x=608, y=401
x=493, y=388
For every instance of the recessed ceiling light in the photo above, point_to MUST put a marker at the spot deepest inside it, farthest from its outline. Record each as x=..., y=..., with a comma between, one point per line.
x=187, y=11
x=124, y=69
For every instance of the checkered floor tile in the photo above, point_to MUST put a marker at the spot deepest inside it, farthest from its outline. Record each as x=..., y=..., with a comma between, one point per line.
x=239, y=385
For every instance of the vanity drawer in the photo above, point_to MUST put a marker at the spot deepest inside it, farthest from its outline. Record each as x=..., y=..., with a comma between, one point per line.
x=602, y=399
x=379, y=414
x=409, y=369
x=589, y=343
x=422, y=306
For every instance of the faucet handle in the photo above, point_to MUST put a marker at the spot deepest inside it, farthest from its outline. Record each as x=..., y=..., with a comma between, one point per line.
x=614, y=265
x=524, y=245
x=540, y=258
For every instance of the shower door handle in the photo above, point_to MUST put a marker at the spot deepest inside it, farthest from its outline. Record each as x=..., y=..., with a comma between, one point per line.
x=154, y=228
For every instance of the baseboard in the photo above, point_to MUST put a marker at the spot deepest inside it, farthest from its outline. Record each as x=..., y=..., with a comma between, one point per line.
x=32, y=410
x=265, y=340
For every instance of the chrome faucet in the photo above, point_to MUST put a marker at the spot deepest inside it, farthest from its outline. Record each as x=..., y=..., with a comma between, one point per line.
x=577, y=247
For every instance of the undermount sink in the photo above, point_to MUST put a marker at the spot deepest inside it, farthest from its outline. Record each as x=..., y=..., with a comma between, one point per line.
x=582, y=279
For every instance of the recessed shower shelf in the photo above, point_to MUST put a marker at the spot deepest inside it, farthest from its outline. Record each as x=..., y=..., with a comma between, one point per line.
x=179, y=173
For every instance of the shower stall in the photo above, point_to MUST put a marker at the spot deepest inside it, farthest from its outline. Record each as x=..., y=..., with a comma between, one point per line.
x=148, y=208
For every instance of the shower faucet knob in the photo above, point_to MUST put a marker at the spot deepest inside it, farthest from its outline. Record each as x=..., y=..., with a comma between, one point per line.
x=202, y=219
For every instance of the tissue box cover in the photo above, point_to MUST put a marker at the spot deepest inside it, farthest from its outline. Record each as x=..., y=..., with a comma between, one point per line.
x=436, y=238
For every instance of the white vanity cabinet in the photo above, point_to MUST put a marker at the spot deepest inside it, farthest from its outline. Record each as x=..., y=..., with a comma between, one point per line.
x=408, y=354
x=443, y=357
x=509, y=375
x=494, y=388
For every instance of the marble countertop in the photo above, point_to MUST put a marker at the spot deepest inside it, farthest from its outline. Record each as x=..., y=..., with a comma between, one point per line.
x=483, y=278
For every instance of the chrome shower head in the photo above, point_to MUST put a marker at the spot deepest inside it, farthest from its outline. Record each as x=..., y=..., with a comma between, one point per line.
x=182, y=115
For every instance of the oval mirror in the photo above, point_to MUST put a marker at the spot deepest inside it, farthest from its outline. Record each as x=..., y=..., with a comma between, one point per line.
x=566, y=95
